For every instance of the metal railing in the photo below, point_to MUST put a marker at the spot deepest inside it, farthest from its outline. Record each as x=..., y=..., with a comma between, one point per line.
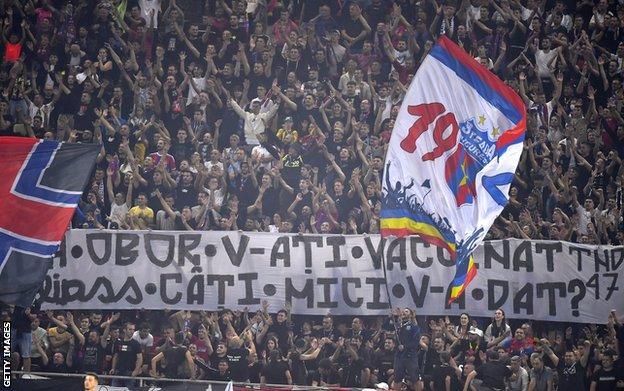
x=143, y=381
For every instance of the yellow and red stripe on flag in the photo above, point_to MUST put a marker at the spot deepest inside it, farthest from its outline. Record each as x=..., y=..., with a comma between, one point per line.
x=452, y=155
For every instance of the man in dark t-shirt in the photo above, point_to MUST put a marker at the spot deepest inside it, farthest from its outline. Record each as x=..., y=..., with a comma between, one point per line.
x=84, y=117
x=571, y=373
x=492, y=373
x=429, y=358
x=238, y=365
x=175, y=357
x=443, y=372
x=186, y=194
x=93, y=351
x=327, y=331
x=281, y=328
x=275, y=372
x=236, y=359
x=222, y=371
x=607, y=377
x=383, y=360
x=56, y=365
x=127, y=358
x=327, y=375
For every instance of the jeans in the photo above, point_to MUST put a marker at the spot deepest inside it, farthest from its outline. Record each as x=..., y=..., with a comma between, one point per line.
x=406, y=369
x=124, y=382
x=14, y=104
x=23, y=341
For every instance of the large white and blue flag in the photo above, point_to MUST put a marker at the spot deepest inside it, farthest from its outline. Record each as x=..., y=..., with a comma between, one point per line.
x=452, y=156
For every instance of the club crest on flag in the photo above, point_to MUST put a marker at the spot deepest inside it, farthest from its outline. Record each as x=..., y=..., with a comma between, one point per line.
x=452, y=156
x=478, y=140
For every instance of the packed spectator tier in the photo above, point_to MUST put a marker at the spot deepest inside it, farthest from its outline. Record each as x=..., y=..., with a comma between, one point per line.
x=275, y=116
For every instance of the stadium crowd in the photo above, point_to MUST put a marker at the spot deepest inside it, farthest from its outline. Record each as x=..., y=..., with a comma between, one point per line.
x=393, y=352
x=275, y=116
x=208, y=114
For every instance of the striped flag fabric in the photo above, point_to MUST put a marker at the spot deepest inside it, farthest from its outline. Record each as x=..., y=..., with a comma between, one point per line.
x=42, y=182
x=452, y=156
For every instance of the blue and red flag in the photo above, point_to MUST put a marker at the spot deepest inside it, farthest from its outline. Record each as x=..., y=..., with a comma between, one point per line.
x=460, y=131
x=42, y=182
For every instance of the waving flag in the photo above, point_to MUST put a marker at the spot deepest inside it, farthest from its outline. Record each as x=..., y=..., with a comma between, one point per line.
x=458, y=136
x=41, y=184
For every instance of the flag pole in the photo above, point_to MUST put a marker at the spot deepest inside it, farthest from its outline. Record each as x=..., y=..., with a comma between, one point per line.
x=385, y=273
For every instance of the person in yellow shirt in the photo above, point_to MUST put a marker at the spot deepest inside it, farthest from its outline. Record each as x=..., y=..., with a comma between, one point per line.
x=286, y=130
x=58, y=335
x=141, y=216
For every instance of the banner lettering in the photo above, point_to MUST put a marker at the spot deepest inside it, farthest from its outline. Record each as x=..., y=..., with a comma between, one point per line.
x=543, y=280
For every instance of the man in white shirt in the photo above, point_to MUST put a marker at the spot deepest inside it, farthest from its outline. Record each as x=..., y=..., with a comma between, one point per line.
x=255, y=122
x=560, y=8
x=119, y=205
x=147, y=6
x=215, y=160
x=539, y=108
x=348, y=76
x=38, y=335
x=262, y=155
x=145, y=340
x=586, y=213
x=531, y=5
x=600, y=11
x=545, y=58
x=519, y=379
x=164, y=222
x=36, y=107
x=473, y=13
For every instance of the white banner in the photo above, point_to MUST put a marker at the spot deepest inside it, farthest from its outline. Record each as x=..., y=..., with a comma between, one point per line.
x=541, y=280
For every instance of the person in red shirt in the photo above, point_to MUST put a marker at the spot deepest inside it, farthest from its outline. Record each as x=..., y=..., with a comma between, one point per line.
x=13, y=45
x=202, y=343
x=521, y=344
x=162, y=148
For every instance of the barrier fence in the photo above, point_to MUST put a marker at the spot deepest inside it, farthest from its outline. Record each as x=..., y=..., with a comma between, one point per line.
x=29, y=379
